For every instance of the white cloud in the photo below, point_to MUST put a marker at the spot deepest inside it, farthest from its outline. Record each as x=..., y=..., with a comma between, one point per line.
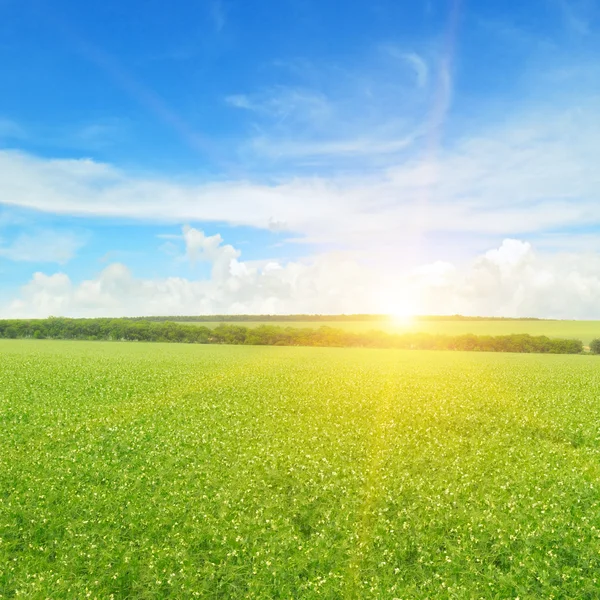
x=419, y=66
x=511, y=255
x=536, y=174
x=334, y=112
x=218, y=15
x=43, y=246
x=356, y=147
x=240, y=101
x=530, y=171
x=284, y=103
x=10, y=129
x=233, y=287
x=43, y=296
x=223, y=257
x=577, y=14
x=91, y=136
x=511, y=280
x=514, y=280
x=414, y=61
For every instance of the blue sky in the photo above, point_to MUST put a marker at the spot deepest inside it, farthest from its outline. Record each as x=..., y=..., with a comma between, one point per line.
x=379, y=156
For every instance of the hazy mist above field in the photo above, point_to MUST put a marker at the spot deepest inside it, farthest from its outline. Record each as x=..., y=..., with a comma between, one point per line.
x=284, y=157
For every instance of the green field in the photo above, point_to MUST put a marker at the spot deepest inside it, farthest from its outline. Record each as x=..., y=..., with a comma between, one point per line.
x=131, y=470
x=580, y=330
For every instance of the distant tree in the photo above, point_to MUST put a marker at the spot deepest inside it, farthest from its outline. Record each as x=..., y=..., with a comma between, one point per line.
x=595, y=346
x=275, y=335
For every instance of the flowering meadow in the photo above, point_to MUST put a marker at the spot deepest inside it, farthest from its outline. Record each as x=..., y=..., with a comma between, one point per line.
x=156, y=470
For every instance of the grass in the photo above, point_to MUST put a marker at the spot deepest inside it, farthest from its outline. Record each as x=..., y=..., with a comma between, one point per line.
x=580, y=330
x=175, y=471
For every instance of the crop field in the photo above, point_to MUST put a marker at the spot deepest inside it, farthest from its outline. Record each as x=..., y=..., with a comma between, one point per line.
x=580, y=330
x=131, y=470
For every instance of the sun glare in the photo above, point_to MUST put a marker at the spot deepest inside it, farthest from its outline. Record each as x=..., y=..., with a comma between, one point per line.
x=402, y=317
x=401, y=312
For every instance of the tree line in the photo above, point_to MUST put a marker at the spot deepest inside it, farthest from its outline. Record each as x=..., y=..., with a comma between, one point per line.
x=123, y=329
x=317, y=318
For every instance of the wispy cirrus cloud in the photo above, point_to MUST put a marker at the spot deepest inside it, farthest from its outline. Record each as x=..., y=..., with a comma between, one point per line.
x=342, y=149
x=578, y=15
x=378, y=167
x=332, y=111
x=412, y=60
x=218, y=15
x=92, y=136
x=11, y=130
x=536, y=173
x=282, y=103
x=43, y=246
x=79, y=136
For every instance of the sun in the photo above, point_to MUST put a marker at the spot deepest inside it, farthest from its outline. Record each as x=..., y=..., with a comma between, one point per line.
x=401, y=311
x=399, y=304
x=402, y=317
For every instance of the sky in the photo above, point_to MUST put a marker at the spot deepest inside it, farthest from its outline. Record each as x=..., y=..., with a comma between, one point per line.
x=300, y=156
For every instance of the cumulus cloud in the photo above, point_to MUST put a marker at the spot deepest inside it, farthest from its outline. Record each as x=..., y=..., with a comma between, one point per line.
x=514, y=280
x=223, y=257
x=511, y=280
x=234, y=286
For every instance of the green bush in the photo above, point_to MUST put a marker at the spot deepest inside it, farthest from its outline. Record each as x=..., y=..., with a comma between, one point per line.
x=595, y=346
